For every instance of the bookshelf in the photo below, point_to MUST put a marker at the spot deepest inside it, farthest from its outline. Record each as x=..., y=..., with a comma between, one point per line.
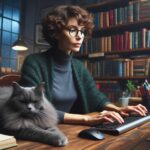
x=120, y=46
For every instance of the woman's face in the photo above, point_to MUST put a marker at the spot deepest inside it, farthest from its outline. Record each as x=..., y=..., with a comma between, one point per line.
x=71, y=38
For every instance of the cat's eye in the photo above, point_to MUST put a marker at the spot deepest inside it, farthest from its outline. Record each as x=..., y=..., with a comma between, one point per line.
x=35, y=102
x=23, y=102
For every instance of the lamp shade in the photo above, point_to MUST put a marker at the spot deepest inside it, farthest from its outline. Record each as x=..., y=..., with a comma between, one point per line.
x=19, y=45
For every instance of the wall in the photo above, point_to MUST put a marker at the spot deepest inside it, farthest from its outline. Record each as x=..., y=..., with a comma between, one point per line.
x=32, y=16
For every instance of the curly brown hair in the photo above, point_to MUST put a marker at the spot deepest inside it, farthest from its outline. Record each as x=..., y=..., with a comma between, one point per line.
x=56, y=20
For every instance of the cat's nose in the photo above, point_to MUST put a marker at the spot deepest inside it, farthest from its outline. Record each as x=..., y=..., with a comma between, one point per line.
x=29, y=108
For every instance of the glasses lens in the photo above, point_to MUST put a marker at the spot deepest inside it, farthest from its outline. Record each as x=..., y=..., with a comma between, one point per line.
x=73, y=32
x=84, y=32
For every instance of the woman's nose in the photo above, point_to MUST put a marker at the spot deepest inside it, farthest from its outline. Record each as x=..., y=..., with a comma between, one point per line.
x=80, y=34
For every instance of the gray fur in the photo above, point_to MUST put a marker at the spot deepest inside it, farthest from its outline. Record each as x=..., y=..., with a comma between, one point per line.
x=27, y=114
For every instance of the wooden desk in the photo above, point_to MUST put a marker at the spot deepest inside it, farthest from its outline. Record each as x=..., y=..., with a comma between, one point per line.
x=134, y=139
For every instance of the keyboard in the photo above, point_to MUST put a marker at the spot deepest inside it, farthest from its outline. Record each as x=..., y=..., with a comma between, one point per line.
x=130, y=122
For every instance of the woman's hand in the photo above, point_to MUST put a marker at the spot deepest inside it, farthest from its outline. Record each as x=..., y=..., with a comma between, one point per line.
x=93, y=118
x=104, y=116
x=126, y=111
x=111, y=116
x=138, y=109
x=115, y=114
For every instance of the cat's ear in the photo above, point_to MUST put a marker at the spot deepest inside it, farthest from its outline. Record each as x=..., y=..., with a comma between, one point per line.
x=40, y=88
x=17, y=88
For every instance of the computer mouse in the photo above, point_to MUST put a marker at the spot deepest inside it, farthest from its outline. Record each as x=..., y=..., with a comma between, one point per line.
x=91, y=133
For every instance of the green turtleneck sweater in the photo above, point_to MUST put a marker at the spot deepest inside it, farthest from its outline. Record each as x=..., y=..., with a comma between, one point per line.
x=38, y=68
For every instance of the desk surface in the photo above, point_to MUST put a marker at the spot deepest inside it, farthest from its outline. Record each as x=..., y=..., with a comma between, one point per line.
x=135, y=139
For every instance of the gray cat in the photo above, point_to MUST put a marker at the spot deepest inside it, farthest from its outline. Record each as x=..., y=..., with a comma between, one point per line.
x=26, y=113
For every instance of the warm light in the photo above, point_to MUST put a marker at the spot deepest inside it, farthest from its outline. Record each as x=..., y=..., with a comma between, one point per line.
x=19, y=45
x=19, y=48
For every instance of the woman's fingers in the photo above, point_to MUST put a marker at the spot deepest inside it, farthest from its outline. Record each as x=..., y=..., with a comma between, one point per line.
x=124, y=113
x=112, y=115
x=117, y=117
x=140, y=109
x=143, y=107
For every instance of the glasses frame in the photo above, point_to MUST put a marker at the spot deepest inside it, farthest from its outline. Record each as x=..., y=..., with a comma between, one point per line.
x=83, y=31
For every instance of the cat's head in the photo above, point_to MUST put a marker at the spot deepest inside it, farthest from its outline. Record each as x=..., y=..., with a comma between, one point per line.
x=27, y=100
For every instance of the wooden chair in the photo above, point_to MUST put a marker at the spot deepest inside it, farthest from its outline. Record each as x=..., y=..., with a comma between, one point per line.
x=7, y=80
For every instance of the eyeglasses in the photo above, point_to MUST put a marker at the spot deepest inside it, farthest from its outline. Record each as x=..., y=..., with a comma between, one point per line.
x=73, y=31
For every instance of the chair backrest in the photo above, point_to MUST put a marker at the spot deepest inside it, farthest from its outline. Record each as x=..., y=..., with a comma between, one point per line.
x=7, y=80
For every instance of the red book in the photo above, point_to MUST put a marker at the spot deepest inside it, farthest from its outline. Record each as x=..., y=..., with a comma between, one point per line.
x=98, y=85
x=117, y=42
x=111, y=17
x=126, y=40
x=121, y=42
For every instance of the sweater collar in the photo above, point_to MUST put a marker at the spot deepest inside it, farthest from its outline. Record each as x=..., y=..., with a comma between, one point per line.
x=60, y=57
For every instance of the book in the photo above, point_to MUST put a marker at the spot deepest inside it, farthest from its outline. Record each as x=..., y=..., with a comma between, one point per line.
x=7, y=141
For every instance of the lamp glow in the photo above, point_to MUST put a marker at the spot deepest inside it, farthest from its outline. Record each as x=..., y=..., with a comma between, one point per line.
x=19, y=45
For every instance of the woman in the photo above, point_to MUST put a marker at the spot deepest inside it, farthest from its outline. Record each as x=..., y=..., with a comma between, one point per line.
x=69, y=86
